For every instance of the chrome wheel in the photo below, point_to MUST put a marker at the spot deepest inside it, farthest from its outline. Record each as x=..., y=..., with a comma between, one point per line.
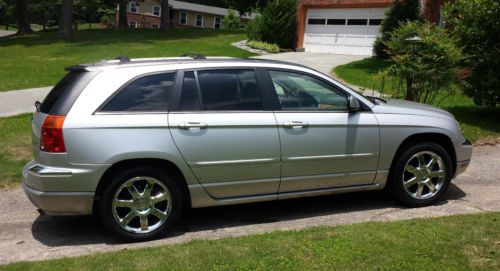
x=424, y=175
x=141, y=205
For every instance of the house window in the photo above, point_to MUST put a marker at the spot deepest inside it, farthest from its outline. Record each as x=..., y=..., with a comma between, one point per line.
x=357, y=21
x=134, y=7
x=155, y=26
x=199, y=20
x=132, y=24
x=316, y=21
x=335, y=22
x=183, y=18
x=218, y=22
x=375, y=21
x=157, y=11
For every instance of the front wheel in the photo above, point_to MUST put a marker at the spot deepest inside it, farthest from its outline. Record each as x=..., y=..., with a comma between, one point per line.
x=421, y=175
x=141, y=204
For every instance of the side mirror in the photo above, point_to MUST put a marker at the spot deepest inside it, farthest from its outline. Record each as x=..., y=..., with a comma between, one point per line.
x=353, y=103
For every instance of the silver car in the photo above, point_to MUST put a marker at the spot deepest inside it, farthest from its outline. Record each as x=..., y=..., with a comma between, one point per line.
x=139, y=141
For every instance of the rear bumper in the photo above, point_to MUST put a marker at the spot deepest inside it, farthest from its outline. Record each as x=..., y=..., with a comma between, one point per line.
x=54, y=192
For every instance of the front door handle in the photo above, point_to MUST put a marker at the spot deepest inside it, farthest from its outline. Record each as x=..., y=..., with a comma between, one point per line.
x=295, y=124
x=192, y=125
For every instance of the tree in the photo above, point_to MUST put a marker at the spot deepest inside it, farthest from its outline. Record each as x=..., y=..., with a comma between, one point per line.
x=22, y=17
x=165, y=16
x=122, y=16
x=231, y=21
x=400, y=12
x=66, y=19
x=425, y=62
x=476, y=26
x=87, y=10
x=43, y=12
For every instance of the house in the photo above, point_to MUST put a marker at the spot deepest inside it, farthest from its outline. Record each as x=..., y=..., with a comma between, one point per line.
x=147, y=14
x=347, y=26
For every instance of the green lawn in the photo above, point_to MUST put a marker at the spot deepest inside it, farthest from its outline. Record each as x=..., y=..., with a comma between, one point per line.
x=39, y=59
x=477, y=124
x=466, y=242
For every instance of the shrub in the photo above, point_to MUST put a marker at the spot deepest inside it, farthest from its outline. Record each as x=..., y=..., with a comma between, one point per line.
x=231, y=21
x=400, y=12
x=271, y=48
x=276, y=25
x=424, y=68
x=104, y=19
x=476, y=26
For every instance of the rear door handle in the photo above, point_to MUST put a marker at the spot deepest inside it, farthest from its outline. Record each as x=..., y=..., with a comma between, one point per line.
x=295, y=124
x=192, y=125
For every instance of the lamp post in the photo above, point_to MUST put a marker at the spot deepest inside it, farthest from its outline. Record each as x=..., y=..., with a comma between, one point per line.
x=410, y=80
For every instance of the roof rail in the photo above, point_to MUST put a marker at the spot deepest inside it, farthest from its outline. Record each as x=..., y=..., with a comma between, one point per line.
x=194, y=55
x=123, y=58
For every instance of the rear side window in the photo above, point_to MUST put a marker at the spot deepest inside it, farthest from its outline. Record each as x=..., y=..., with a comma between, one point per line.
x=227, y=90
x=55, y=94
x=149, y=93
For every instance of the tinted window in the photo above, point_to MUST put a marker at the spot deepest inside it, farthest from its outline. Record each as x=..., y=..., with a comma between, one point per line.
x=302, y=92
x=316, y=21
x=229, y=90
x=146, y=94
x=190, y=99
x=336, y=22
x=357, y=22
x=375, y=21
x=57, y=91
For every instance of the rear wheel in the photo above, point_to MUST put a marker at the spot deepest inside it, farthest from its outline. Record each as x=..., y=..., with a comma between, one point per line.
x=141, y=204
x=421, y=175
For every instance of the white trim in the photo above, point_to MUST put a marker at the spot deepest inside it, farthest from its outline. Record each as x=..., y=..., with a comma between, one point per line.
x=153, y=11
x=196, y=20
x=130, y=7
x=215, y=22
x=180, y=17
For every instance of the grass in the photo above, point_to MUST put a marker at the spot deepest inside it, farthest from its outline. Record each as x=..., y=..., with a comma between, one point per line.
x=15, y=148
x=271, y=48
x=38, y=59
x=477, y=124
x=465, y=242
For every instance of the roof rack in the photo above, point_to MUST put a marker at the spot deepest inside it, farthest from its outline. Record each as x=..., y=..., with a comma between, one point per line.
x=194, y=55
x=123, y=58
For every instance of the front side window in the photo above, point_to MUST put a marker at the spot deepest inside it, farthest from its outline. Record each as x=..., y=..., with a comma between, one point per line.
x=134, y=8
x=218, y=23
x=199, y=20
x=146, y=94
x=157, y=11
x=183, y=17
x=190, y=98
x=300, y=92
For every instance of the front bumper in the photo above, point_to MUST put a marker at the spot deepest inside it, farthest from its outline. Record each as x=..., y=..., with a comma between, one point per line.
x=464, y=154
x=40, y=182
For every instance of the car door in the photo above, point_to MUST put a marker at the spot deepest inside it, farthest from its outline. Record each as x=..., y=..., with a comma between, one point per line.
x=323, y=144
x=225, y=134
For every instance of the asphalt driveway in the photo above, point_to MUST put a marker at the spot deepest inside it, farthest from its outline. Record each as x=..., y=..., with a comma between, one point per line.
x=26, y=236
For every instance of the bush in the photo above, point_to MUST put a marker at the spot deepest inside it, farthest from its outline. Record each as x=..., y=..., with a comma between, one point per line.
x=271, y=48
x=104, y=19
x=476, y=26
x=425, y=68
x=400, y=12
x=231, y=21
x=276, y=25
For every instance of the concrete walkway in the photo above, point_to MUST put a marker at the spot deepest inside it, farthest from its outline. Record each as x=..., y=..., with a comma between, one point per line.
x=21, y=101
x=6, y=33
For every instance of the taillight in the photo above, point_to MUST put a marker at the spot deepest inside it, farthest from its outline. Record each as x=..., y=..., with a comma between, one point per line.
x=51, y=139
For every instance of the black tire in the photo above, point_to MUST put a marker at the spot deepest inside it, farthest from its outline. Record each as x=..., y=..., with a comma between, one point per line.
x=106, y=201
x=395, y=185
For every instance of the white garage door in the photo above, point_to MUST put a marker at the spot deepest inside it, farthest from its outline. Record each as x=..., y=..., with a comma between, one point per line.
x=349, y=31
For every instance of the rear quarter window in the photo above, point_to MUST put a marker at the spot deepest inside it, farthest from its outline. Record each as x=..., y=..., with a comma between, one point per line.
x=150, y=93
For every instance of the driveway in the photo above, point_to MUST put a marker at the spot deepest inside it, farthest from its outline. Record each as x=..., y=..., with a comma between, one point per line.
x=6, y=33
x=22, y=101
x=318, y=61
x=26, y=236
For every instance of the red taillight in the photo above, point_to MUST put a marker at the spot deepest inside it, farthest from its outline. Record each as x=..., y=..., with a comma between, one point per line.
x=51, y=139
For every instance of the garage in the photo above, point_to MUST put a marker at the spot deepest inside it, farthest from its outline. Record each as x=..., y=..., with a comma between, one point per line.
x=350, y=31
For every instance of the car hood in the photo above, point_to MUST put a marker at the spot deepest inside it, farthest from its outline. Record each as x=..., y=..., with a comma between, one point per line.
x=394, y=106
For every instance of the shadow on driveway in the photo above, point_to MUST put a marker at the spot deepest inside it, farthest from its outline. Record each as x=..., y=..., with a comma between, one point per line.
x=86, y=230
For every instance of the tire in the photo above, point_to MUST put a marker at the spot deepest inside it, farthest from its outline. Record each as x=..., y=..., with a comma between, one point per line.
x=412, y=184
x=144, y=215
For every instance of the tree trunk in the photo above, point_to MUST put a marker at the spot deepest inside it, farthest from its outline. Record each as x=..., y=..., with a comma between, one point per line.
x=22, y=17
x=66, y=20
x=409, y=89
x=122, y=17
x=165, y=16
